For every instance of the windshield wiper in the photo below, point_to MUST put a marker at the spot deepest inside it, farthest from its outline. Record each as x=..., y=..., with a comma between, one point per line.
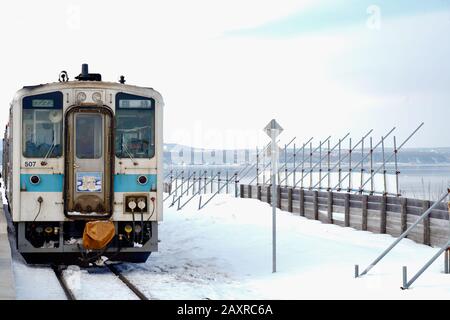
x=50, y=150
x=129, y=154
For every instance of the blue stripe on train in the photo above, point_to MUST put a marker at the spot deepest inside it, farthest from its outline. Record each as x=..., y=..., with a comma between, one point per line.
x=129, y=183
x=55, y=183
x=48, y=183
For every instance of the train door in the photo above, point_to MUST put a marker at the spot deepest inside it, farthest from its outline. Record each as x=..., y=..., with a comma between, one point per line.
x=88, y=162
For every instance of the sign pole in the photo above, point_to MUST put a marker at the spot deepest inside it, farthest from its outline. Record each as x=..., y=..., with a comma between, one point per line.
x=274, y=201
x=273, y=129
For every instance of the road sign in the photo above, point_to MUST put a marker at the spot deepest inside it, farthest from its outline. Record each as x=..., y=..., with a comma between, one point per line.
x=273, y=125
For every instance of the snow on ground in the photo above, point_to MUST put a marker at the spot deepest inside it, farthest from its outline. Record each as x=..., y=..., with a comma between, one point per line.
x=40, y=282
x=96, y=283
x=224, y=252
x=2, y=192
x=35, y=282
x=32, y=281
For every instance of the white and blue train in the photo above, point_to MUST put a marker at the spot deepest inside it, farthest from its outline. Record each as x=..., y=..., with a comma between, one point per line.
x=83, y=151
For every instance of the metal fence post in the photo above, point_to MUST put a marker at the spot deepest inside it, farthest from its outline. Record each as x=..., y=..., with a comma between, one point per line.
x=182, y=181
x=264, y=168
x=329, y=167
x=176, y=183
x=350, y=166
x=303, y=167
x=212, y=180
x=384, y=166
x=396, y=168
x=171, y=182
x=320, y=166
x=405, y=277
x=310, y=164
x=236, y=181
x=362, y=165
x=257, y=166
x=226, y=187
x=188, y=181
x=218, y=182
x=285, y=167
x=425, y=267
x=372, y=189
x=293, y=173
x=339, y=165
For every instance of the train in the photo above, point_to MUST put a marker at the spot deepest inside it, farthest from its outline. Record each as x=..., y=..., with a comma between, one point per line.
x=82, y=170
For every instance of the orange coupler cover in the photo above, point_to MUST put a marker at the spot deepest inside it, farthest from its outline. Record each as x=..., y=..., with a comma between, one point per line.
x=97, y=234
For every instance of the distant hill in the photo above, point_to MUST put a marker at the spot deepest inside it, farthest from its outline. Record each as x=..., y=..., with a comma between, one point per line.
x=408, y=155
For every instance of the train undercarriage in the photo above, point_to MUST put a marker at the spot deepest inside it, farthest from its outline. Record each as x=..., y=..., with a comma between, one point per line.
x=62, y=242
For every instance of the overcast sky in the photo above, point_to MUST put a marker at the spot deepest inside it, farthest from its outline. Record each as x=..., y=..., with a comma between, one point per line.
x=225, y=68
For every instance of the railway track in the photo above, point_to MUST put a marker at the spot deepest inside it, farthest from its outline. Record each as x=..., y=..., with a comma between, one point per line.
x=59, y=275
x=70, y=295
x=127, y=282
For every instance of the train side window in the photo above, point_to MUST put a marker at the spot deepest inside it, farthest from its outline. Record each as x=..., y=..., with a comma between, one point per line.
x=42, y=125
x=135, y=126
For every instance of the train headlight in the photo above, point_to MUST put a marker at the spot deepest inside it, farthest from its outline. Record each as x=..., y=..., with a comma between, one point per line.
x=142, y=180
x=81, y=96
x=35, y=179
x=128, y=230
x=48, y=230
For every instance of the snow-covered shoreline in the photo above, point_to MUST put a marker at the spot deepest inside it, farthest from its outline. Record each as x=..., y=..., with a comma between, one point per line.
x=224, y=252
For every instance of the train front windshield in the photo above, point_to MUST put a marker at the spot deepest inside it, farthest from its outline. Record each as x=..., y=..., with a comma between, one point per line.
x=135, y=126
x=42, y=125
